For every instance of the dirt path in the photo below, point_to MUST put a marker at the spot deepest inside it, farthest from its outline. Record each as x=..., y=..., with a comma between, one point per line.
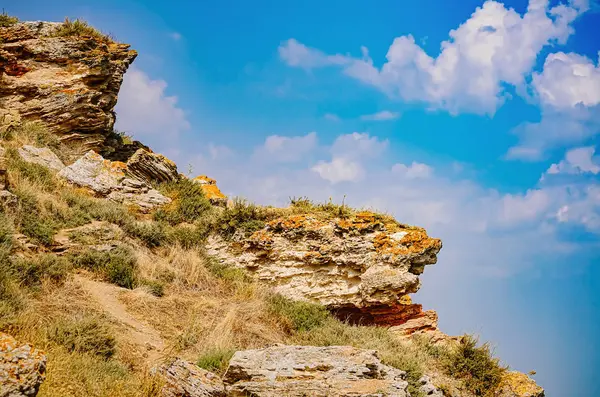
x=140, y=334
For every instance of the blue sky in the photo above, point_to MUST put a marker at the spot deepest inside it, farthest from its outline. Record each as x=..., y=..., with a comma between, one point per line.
x=477, y=120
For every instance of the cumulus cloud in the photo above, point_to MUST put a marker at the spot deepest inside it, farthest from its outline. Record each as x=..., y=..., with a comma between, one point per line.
x=358, y=146
x=286, y=149
x=339, y=169
x=568, y=91
x=331, y=117
x=496, y=46
x=145, y=109
x=579, y=160
x=384, y=115
x=412, y=171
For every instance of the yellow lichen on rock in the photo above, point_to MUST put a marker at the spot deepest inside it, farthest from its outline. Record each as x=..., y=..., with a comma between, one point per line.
x=517, y=384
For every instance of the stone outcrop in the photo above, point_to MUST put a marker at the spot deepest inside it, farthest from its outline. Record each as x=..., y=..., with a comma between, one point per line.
x=360, y=267
x=69, y=83
x=41, y=156
x=22, y=368
x=312, y=371
x=110, y=179
x=152, y=167
x=96, y=235
x=517, y=384
x=184, y=379
x=428, y=388
x=211, y=191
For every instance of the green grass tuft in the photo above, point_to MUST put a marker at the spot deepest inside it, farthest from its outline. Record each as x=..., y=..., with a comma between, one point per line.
x=299, y=316
x=80, y=28
x=118, y=266
x=215, y=360
x=7, y=20
x=189, y=203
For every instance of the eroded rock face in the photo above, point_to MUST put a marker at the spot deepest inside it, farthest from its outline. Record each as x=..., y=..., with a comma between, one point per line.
x=361, y=266
x=69, y=83
x=22, y=368
x=109, y=179
x=184, y=379
x=41, y=156
x=312, y=371
x=152, y=167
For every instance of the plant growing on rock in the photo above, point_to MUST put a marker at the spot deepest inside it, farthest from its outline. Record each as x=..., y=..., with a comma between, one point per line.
x=80, y=28
x=7, y=20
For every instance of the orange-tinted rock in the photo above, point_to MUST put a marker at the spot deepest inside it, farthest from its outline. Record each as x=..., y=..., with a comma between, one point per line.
x=210, y=189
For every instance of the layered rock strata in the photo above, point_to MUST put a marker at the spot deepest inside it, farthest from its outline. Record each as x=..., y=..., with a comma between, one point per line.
x=68, y=83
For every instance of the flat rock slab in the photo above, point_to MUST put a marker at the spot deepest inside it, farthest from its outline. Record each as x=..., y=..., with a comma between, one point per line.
x=41, y=156
x=184, y=379
x=312, y=371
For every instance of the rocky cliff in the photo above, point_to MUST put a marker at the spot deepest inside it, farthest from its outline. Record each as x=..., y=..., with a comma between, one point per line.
x=116, y=263
x=70, y=83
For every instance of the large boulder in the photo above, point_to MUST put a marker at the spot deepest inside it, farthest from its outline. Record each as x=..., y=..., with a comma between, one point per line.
x=69, y=83
x=41, y=156
x=22, y=368
x=152, y=167
x=184, y=379
x=360, y=267
x=109, y=179
x=312, y=371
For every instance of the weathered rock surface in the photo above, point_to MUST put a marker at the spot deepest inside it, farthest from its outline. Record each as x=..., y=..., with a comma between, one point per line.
x=184, y=379
x=312, y=371
x=22, y=368
x=152, y=167
x=517, y=384
x=211, y=191
x=361, y=266
x=97, y=235
x=428, y=388
x=42, y=156
x=109, y=179
x=69, y=83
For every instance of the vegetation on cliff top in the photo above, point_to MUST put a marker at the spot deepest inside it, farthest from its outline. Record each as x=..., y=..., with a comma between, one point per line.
x=7, y=20
x=80, y=28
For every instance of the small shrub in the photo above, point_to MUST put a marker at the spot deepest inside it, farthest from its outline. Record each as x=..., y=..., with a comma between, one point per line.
x=6, y=232
x=155, y=287
x=476, y=366
x=32, y=220
x=31, y=271
x=243, y=216
x=300, y=316
x=305, y=205
x=80, y=28
x=215, y=360
x=118, y=266
x=87, y=334
x=7, y=20
x=225, y=272
x=187, y=236
x=152, y=234
x=189, y=203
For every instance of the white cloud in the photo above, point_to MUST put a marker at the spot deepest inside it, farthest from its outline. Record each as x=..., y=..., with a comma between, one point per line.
x=358, y=146
x=384, y=115
x=579, y=160
x=567, y=80
x=145, y=109
x=568, y=90
x=494, y=47
x=286, y=149
x=339, y=169
x=413, y=171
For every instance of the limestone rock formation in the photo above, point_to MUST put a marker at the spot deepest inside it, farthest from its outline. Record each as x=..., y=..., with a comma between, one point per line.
x=152, y=167
x=109, y=179
x=22, y=368
x=428, y=388
x=69, y=83
x=184, y=379
x=211, y=191
x=97, y=235
x=41, y=156
x=312, y=371
x=517, y=384
x=359, y=267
